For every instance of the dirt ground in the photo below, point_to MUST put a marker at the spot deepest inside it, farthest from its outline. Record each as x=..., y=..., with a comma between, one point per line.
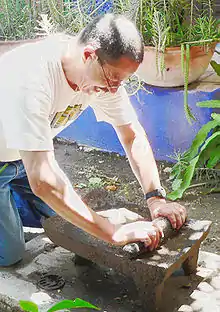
x=105, y=180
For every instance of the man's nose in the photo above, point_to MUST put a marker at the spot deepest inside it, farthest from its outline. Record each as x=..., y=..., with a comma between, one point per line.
x=113, y=89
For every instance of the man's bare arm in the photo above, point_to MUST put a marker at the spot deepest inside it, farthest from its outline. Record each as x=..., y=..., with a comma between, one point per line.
x=140, y=155
x=142, y=161
x=49, y=183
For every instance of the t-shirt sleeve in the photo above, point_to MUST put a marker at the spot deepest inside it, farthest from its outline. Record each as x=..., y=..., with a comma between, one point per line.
x=25, y=113
x=115, y=109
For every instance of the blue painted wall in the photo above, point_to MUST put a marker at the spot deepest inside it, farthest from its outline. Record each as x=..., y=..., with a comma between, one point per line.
x=162, y=115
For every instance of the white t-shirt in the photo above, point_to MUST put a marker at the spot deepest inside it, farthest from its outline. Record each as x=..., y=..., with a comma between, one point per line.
x=36, y=101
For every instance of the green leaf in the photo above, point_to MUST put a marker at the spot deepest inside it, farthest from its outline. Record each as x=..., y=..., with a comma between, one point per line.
x=95, y=182
x=3, y=168
x=208, y=152
x=216, y=117
x=200, y=139
x=210, y=140
x=189, y=172
x=209, y=104
x=70, y=304
x=187, y=178
x=28, y=306
x=214, y=157
x=216, y=67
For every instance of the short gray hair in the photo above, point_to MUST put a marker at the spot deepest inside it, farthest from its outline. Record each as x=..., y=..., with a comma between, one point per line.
x=113, y=36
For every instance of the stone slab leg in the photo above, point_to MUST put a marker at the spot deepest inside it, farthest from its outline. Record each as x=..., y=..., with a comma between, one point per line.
x=190, y=264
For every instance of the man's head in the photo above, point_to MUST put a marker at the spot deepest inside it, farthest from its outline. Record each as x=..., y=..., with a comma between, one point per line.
x=112, y=49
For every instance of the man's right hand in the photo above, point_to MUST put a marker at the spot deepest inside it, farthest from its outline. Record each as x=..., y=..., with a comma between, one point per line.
x=143, y=231
x=130, y=227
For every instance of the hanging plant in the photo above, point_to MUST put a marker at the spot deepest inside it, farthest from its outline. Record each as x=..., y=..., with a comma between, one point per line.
x=185, y=63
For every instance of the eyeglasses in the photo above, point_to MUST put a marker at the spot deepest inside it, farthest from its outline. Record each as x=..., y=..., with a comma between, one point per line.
x=110, y=84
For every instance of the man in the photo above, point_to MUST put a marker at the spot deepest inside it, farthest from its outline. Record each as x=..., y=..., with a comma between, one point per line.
x=44, y=87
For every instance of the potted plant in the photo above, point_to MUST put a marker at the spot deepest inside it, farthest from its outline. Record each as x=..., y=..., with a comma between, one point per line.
x=23, y=21
x=180, y=38
x=169, y=29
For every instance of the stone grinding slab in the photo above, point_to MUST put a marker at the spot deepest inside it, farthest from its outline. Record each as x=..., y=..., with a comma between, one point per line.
x=149, y=270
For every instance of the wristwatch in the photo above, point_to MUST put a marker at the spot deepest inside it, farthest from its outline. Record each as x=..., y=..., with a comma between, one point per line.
x=160, y=192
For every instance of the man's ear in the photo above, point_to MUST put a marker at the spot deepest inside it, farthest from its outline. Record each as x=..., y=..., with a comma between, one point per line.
x=89, y=52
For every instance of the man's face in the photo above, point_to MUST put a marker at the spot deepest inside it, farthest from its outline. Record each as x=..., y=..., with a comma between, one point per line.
x=107, y=77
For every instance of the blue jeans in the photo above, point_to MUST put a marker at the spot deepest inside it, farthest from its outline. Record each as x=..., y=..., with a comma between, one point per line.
x=12, y=243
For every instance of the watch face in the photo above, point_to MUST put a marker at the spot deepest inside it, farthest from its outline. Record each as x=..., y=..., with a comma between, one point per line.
x=163, y=192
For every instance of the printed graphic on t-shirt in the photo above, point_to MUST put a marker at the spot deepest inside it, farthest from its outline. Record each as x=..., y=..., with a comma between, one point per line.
x=71, y=113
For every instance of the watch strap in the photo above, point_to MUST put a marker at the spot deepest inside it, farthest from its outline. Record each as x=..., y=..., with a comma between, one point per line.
x=156, y=193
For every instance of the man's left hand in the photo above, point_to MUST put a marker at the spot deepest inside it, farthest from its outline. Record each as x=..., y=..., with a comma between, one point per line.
x=175, y=212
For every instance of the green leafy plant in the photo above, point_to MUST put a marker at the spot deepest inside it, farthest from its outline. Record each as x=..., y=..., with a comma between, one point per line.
x=204, y=153
x=95, y=182
x=19, y=19
x=172, y=23
x=64, y=304
x=72, y=16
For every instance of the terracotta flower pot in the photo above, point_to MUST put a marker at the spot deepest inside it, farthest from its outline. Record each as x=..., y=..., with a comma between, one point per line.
x=172, y=75
x=11, y=44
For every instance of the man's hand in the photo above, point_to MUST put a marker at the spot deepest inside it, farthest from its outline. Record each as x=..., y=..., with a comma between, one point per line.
x=130, y=227
x=139, y=231
x=175, y=212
